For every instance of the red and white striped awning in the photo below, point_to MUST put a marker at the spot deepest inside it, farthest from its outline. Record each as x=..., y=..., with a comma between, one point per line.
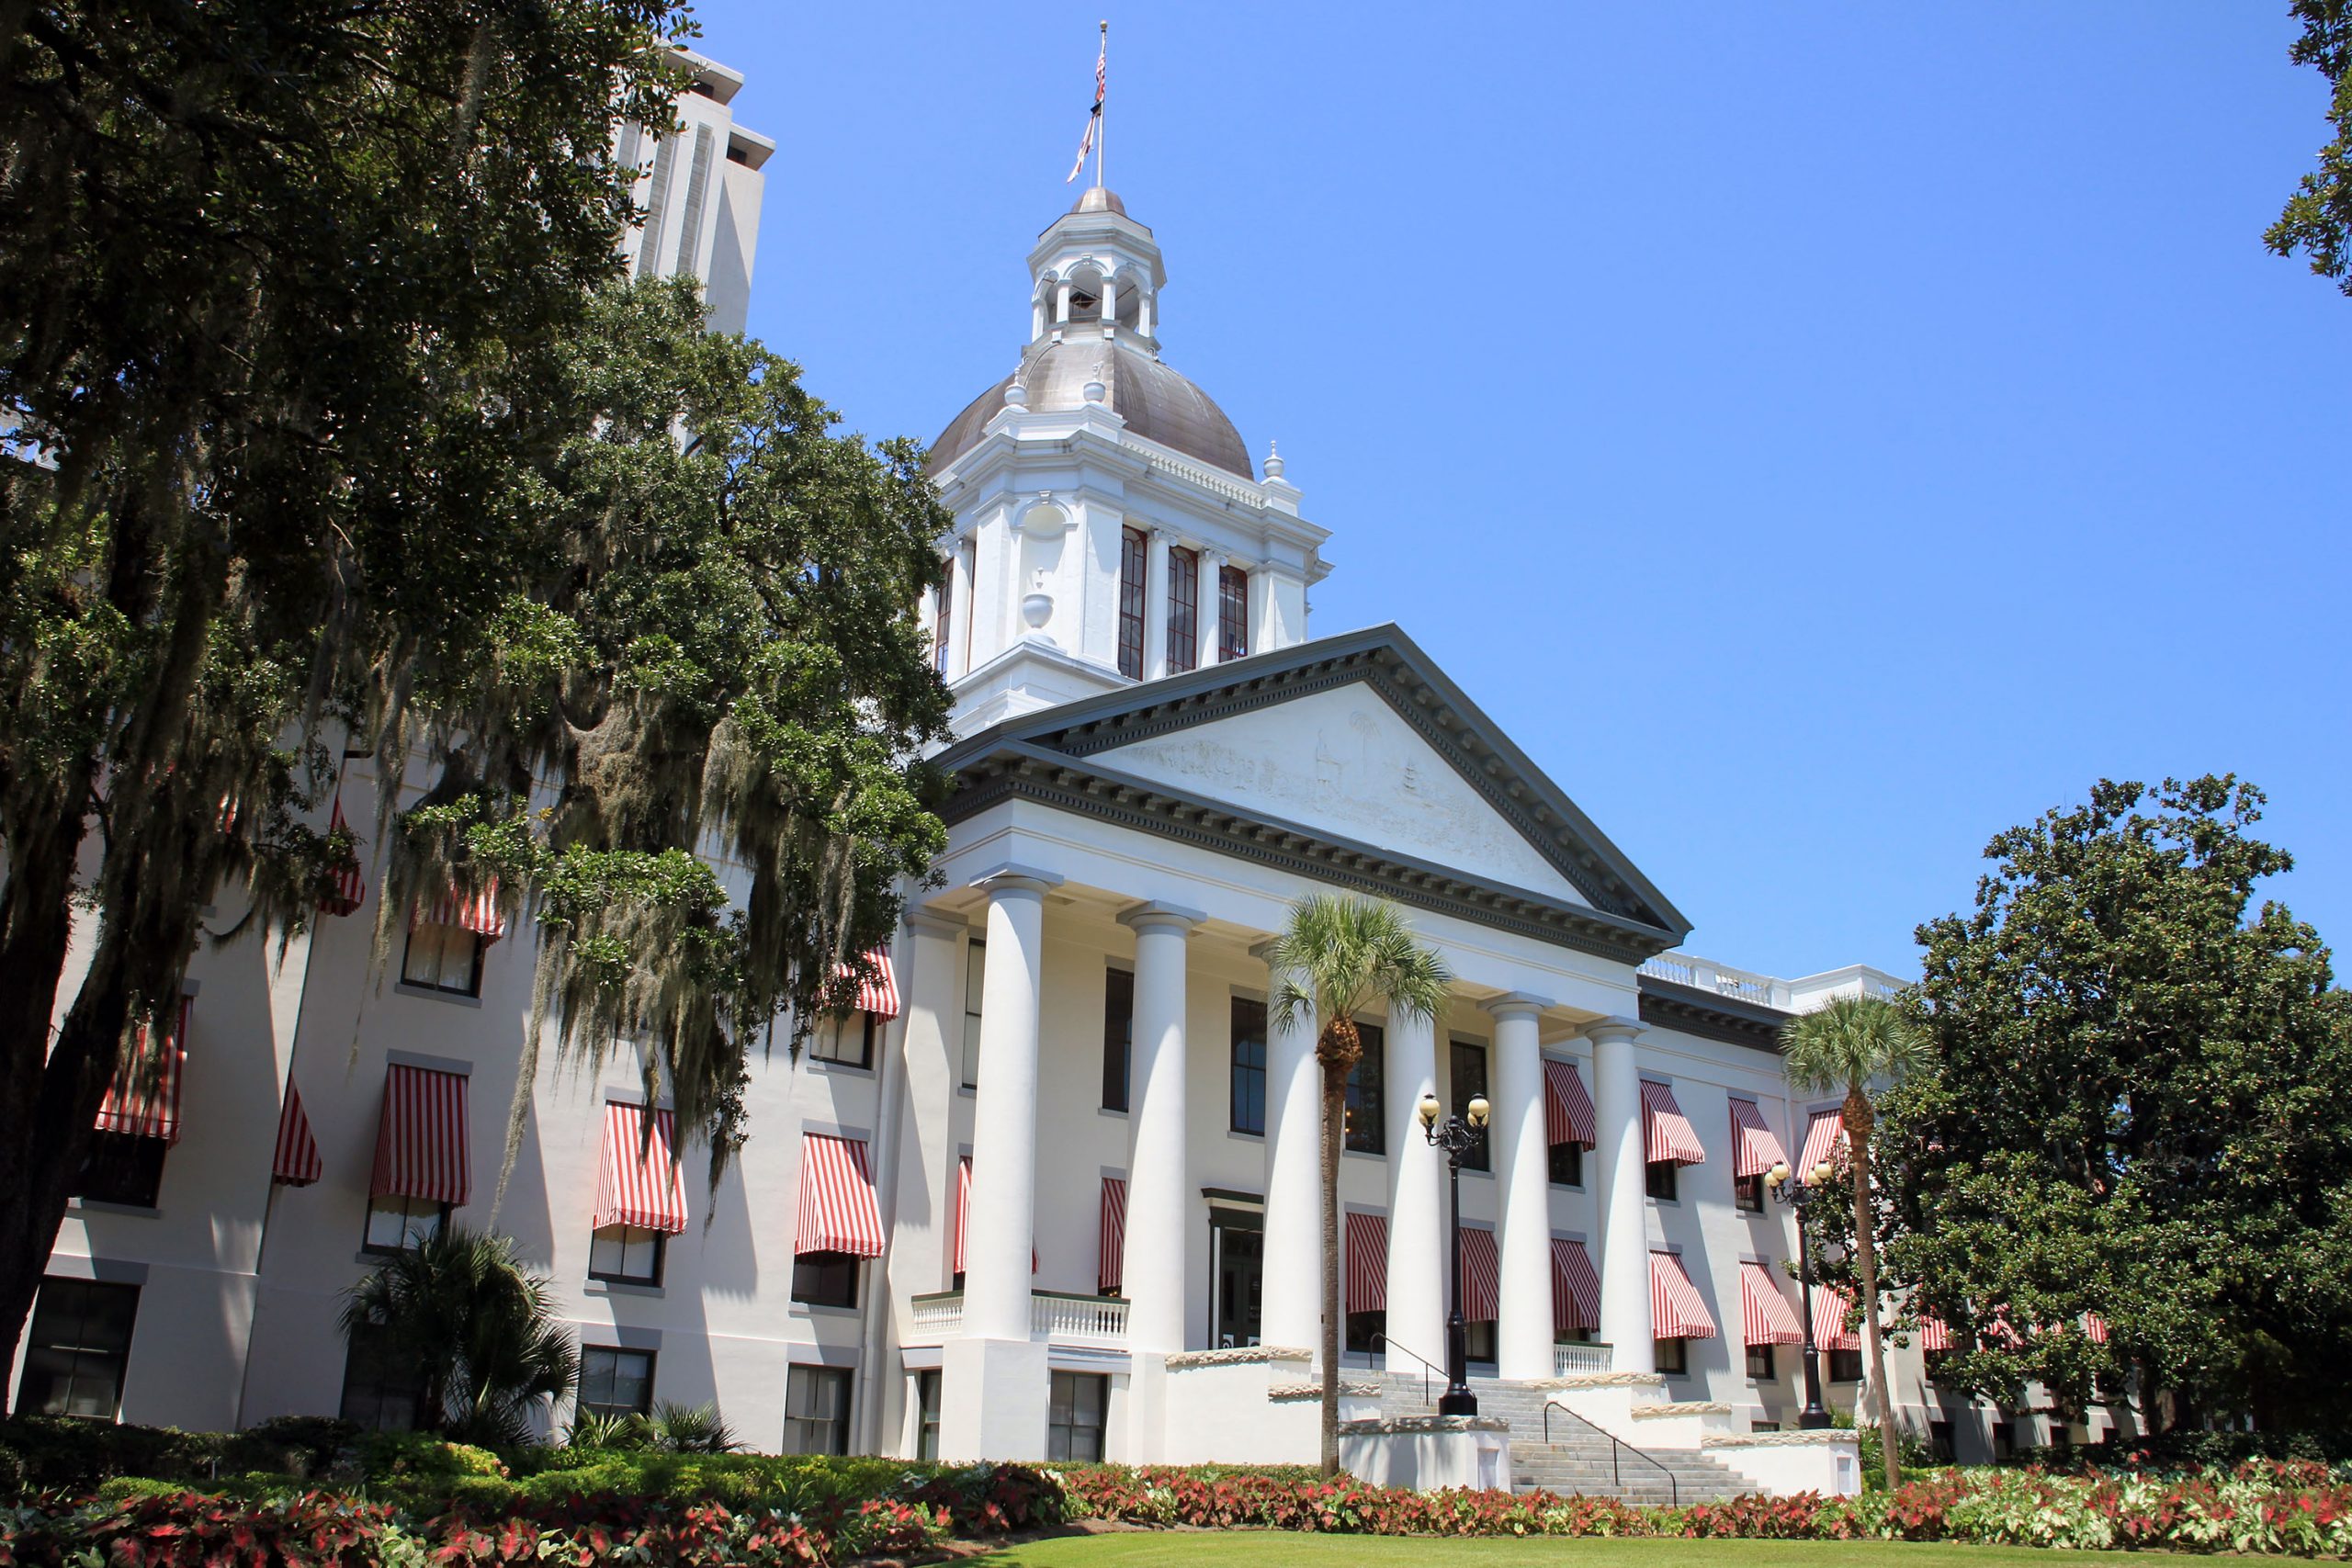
x=1111, y=1271
x=1576, y=1288
x=1754, y=1149
x=964, y=1214
x=296, y=1162
x=639, y=1182
x=838, y=1211
x=2096, y=1327
x=1765, y=1315
x=1935, y=1335
x=1367, y=1262
x=1567, y=1108
x=878, y=991
x=1825, y=1140
x=1666, y=1133
x=1831, y=1308
x=1677, y=1311
x=347, y=887
x=1482, y=1276
x=421, y=1138
x=477, y=912
x=144, y=1097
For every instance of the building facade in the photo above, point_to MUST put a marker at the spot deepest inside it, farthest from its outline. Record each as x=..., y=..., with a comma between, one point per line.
x=1052, y=1193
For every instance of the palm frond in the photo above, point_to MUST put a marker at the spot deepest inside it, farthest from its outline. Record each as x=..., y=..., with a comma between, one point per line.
x=1852, y=1044
x=1341, y=955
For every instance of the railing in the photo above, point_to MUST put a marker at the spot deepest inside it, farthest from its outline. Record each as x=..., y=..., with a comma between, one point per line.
x=1589, y=1356
x=1616, y=1449
x=1102, y=1320
x=1705, y=975
x=941, y=1314
x=1215, y=485
x=1427, y=1366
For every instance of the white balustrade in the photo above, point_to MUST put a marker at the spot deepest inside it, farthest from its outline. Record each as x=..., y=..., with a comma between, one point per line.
x=1053, y=1317
x=1573, y=1360
x=941, y=1315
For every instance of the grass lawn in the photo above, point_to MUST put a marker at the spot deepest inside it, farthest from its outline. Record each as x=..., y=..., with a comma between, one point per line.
x=1190, y=1548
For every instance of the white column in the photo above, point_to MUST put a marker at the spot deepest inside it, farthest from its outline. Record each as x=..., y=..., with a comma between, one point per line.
x=1291, y=1304
x=1143, y=302
x=1523, y=1180
x=1158, y=1182
x=1110, y=303
x=1625, y=1215
x=1061, y=302
x=1417, y=1243
x=961, y=610
x=1004, y=1119
x=1155, y=607
x=1212, y=597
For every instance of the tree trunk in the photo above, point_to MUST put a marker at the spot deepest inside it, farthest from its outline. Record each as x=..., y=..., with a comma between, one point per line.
x=1335, y=1099
x=1859, y=1119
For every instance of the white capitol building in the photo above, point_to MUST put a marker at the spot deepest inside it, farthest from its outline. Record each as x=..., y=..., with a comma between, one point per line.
x=1054, y=1193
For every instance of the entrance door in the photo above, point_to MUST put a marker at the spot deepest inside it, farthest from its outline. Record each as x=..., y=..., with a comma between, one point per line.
x=1238, y=1257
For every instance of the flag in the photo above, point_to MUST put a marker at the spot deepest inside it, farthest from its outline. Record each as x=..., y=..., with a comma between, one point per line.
x=1095, y=115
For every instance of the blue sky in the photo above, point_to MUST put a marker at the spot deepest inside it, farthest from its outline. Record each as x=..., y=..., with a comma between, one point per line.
x=1823, y=435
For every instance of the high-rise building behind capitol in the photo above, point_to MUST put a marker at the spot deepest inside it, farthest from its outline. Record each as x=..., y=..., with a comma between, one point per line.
x=700, y=192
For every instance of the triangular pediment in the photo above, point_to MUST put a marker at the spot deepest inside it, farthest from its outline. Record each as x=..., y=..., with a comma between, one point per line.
x=1357, y=749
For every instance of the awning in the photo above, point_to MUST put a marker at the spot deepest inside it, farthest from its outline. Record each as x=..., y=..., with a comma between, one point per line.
x=964, y=1214
x=421, y=1138
x=1567, y=1108
x=1765, y=1315
x=2096, y=1327
x=345, y=884
x=1935, y=1335
x=838, y=1212
x=1482, y=1276
x=143, y=1101
x=1666, y=1133
x=1825, y=1140
x=639, y=1182
x=1831, y=1307
x=1108, y=1272
x=296, y=1162
x=1675, y=1310
x=475, y=912
x=1754, y=1149
x=877, y=993
x=1367, y=1262
x=1576, y=1288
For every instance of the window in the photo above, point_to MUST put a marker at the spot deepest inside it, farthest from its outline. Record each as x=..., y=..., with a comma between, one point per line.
x=946, y=622
x=77, y=1349
x=1763, y=1425
x=381, y=1389
x=122, y=1167
x=1673, y=1355
x=443, y=958
x=615, y=1382
x=2005, y=1441
x=1135, y=557
x=1367, y=1124
x=1747, y=1194
x=1939, y=1440
x=1249, y=1093
x=1232, y=613
x=1478, y=1340
x=1118, y=1035
x=1183, y=609
x=1661, y=1180
x=1469, y=1068
x=927, y=1415
x=825, y=1278
x=1074, y=1423
x=816, y=1411
x=1364, y=1331
x=1932, y=1364
x=402, y=1224
x=628, y=1255
x=1845, y=1366
x=1759, y=1362
x=1578, y=1336
x=1567, y=1165
x=976, y=973
x=846, y=1042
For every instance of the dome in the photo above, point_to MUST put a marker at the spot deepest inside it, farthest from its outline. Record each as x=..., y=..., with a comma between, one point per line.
x=1157, y=403
x=1100, y=198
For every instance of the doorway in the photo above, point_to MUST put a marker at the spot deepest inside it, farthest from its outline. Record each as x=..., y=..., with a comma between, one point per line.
x=1237, y=1275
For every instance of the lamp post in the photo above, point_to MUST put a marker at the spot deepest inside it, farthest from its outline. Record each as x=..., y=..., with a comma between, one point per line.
x=1457, y=1136
x=1799, y=1195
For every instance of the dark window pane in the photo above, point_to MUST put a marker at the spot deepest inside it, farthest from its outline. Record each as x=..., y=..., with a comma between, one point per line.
x=1118, y=1035
x=77, y=1349
x=825, y=1278
x=1183, y=609
x=1759, y=1362
x=1845, y=1366
x=1249, y=1092
x=1367, y=1127
x=381, y=1388
x=1074, y=1419
x=946, y=616
x=443, y=958
x=816, y=1411
x=1661, y=1178
x=615, y=1382
x=927, y=1420
x=1567, y=1165
x=1232, y=613
x=1748, y=1194
x=1468, y=1062
x=628, y=1254
x=1135, y=557
x=1673, y=1355
x=122, y=1167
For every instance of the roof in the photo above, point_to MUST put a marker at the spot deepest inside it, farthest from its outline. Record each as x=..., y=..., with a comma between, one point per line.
x=1157, y=403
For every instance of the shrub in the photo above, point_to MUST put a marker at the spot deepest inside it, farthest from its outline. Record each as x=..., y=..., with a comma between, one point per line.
x=62, y=1453
x=295, y=1445
x=420, y=1456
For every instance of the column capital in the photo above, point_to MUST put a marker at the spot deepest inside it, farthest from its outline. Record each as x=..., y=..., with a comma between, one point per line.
x=1602, y=1029
x=1158, y=916
x=1010, y=878
x=1263, y=951
x=1516, y=1004
x=925, y=921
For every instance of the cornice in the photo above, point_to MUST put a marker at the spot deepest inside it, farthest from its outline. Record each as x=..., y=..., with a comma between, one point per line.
x=1710, y=1017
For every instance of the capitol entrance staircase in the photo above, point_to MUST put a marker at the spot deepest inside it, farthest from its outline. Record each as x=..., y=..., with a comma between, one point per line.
x=1574, y=1457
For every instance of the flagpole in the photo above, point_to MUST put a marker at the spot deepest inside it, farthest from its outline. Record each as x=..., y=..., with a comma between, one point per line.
x=1100, y=127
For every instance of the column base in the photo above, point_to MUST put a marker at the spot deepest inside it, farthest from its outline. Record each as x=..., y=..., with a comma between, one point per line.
x=994, y=1399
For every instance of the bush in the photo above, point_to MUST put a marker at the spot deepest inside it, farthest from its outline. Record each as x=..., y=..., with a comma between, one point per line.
x=421, y=1457
x=293, y=1445
x=60, y=1452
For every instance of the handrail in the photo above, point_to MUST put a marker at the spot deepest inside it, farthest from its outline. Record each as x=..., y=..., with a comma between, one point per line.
x=1427, y=1366
x=1616, y=1477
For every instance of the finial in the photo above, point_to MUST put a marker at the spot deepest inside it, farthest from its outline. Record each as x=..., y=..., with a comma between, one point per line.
x=1016, y=391
x=1096, y=390
x=1273, y=460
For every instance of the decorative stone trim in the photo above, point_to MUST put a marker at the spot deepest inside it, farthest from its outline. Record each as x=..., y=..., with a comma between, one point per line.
x=1681, y=1407
x=1406, y=1426
x=1815, y=1439
x=1315, y=1391
x=1239, y=1356
x=1603, y=1379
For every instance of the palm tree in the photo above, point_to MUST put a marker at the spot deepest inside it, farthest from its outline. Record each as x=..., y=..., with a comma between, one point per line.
x=1845, y=1047
x=1338, y=957
x=481, y=1331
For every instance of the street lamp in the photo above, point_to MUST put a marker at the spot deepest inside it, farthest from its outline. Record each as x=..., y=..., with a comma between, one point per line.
x=1457, y=1136
x=1799, y=1195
